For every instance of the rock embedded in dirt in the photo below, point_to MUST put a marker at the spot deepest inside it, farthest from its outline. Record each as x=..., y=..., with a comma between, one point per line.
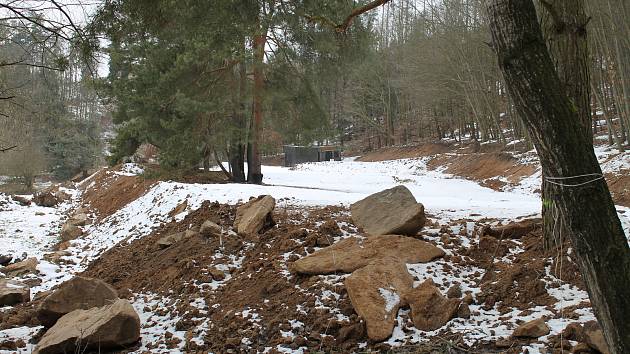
x=55, y=257
x=216, y=274
x=77, y=293
x=376, y=293
x=45, y=199
x=392, y=211
x=168, y=240
x=28, y=266
x=532, y=329
x=330, y=228
x=109, y=327
x=78, y=219
x=594, y=337
x=254, y=215
x=5, y=260
x=13, y=293
x=353, y=253
x=70, y=232
x=468, y=299
x=463, y=311
x=574, y=331
x=210, y=229
x=430, y=309
x=454, y=292
x=21, y=200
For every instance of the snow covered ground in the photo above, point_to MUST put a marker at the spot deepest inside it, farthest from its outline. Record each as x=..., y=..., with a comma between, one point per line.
x=33, y=230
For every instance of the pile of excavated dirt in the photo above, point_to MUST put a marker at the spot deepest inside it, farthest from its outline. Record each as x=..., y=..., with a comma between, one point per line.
x=485, y=168
x=406, y=152
x=255, y=274
x=259, y=301
x=107, y=192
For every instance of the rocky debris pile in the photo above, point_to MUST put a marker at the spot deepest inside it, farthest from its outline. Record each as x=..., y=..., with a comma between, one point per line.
x=13, y=293
x=392, y=211
x=380, y=282
x=71, y=229
x=83, y=314
x=255, y=215
x=589, y=336
x=50, y=197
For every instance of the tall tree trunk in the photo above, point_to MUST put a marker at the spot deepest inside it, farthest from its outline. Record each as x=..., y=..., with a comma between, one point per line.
x=256, y=133
x=601, y=248
x=237, y=146
x=564, y=26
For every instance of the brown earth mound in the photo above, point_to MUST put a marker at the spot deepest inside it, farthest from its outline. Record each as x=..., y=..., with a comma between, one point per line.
x=261, y=285
x=107, y=192
x=484, y=167
x=406, y=152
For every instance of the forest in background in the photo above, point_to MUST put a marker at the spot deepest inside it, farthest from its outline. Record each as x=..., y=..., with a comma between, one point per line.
x=185, y=76
x=49, y=110
x=207, y=82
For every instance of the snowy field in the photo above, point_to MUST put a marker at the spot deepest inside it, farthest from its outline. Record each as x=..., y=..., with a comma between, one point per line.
x=32, y=230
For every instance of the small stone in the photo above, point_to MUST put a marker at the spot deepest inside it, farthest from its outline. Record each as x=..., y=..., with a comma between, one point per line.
x=5, y=260
x=463, y=311
x=216, y=274
x=13, y=293
x=168, y=240
x=532, y=329
x=210, y=229
x=455, y=292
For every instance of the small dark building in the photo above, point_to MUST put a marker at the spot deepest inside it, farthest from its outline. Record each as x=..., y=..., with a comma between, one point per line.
x=294, y=155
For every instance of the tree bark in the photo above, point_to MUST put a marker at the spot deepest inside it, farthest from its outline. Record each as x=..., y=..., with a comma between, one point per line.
x=259, y=54
x=564, y=26
x=601, y=248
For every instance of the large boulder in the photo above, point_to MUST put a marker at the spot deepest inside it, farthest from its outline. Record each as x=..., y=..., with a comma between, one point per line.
x=28, y=266
x=13, y=292
x=353, y=253
x=376, y=292
x=70, y=231
x=392, y=211
x=109, y=327
x=430, y=309
x=254, y=215
x=77, y=293
x=532, y=329
x=45, y=199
